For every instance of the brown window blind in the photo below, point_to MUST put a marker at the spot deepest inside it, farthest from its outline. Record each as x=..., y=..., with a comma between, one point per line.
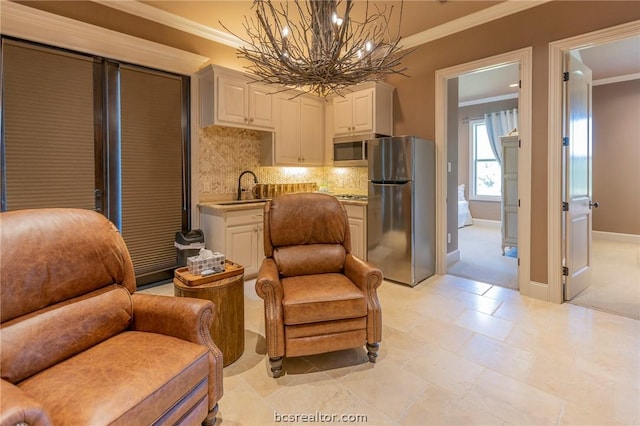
x=48, y=128
x=151, y=166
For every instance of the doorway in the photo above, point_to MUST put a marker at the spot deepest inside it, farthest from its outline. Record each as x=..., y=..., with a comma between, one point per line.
x=557, y=51
x=481, y=247
x=613, y=270
x=444, y=109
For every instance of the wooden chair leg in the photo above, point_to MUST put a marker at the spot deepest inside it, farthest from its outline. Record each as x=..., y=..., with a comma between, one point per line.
x=372, y=351
x=276, y=366
x=211, y=417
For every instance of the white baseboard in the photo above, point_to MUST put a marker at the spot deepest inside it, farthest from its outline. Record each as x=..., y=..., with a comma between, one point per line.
x=487, y=223
x=453, y=257
x=614, y=236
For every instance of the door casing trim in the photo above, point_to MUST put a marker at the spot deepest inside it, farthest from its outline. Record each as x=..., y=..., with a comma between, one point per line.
x=524, y=58
x=554, y=158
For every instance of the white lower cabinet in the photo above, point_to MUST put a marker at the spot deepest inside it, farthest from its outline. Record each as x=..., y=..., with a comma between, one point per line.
x=357, y=214
x=236, y=233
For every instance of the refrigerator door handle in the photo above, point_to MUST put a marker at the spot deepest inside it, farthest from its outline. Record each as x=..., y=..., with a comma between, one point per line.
x=388, y=183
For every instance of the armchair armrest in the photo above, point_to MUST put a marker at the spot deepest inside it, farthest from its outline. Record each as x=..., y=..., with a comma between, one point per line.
x=186, y=318
x=16, y=407
x=368, y=278
x=269, y=288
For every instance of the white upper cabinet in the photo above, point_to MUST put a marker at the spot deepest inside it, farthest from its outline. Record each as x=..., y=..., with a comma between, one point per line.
x=365, y=110
x=299, y=131
x=228, y=98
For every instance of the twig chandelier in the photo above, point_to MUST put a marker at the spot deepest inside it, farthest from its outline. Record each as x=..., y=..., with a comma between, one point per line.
x=324, y=50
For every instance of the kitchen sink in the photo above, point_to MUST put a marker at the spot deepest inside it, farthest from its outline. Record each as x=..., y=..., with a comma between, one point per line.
x=236, y=202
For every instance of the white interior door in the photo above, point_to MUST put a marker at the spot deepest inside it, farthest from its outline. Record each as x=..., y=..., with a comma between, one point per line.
x=577, y=178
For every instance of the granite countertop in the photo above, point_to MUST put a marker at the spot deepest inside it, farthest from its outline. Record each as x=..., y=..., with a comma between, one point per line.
x=213, y=207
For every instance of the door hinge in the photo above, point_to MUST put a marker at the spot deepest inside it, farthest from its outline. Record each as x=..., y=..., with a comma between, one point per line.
x=565, y=206
x=518, y=202
x=519, y=143
x=565, y=271
x=565, y=141
x=518, y=261
x=520, y=84
x=565, y=76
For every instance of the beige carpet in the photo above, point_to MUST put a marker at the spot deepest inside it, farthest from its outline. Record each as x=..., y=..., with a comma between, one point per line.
x=481, y=257
x=615, y=281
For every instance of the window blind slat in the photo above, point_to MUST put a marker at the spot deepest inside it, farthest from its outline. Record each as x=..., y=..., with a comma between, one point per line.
x=49, y=133
x=151, y=114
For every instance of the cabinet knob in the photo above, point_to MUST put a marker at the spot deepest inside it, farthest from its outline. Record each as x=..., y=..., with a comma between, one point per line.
x=251, y=120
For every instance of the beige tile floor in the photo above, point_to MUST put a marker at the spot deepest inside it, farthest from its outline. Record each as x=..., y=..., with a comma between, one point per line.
x=454, y=352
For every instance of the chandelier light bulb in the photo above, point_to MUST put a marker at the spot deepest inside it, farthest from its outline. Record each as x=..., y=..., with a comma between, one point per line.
x=285, y=32
x=368, y=46
x=335, y=19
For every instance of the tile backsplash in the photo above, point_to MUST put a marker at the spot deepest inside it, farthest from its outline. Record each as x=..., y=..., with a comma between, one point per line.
x=226, y=151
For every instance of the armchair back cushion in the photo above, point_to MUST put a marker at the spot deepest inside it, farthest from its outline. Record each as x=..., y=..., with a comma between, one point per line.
x=301, y=247
x=43, y=263
x=79, y=302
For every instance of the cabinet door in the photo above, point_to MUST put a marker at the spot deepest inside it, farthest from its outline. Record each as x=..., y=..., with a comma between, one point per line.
x=260, y=107
x=242, y=247
x=287, y=143
x=232, y=100
x=356, y=227
x=363, y=111
x=509, y=192
x=343, y=114
x=312, y=131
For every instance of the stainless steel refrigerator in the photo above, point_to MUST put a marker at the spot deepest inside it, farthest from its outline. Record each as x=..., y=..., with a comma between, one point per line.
x=401, y=216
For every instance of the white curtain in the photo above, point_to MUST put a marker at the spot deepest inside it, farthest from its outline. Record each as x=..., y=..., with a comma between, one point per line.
x=499, y=124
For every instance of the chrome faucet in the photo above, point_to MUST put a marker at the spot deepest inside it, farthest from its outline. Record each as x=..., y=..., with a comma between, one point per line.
x=255, y=180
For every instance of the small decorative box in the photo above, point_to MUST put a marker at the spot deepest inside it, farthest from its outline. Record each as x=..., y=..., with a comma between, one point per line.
x=197, y=265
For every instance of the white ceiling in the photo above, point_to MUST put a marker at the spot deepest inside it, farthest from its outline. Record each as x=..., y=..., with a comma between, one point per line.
x=610, y=62
x=615, y=59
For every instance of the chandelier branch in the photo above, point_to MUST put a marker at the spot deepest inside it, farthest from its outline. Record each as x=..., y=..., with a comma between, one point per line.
x=324, y=50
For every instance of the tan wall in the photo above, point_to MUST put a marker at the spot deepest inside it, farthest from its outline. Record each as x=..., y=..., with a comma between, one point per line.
x=535, y=27
x=489, y=210
x=616, y=157
x=414, y=103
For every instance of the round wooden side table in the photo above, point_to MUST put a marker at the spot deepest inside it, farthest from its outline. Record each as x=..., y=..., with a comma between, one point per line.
x=227, y=330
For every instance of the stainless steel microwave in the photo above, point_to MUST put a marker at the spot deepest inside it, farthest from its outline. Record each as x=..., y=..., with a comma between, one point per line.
x=351, y=151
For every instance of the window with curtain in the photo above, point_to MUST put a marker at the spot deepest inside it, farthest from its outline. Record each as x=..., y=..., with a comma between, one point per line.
x=151, y=114
x=48, y=128
x=485, y=183
x=92, y=133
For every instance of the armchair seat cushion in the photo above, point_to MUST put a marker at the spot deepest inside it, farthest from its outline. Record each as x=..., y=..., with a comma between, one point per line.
x=153, y=369
x=320, y=298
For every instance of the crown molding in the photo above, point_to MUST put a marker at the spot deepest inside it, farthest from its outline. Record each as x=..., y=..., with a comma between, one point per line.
x=151, y=13
x=134, y=7
x=32, y=24
x=488, y=100
x=617, y=79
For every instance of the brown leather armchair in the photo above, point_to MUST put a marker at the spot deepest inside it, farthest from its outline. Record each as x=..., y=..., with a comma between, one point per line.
x=318, y=297
x=78, y=346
